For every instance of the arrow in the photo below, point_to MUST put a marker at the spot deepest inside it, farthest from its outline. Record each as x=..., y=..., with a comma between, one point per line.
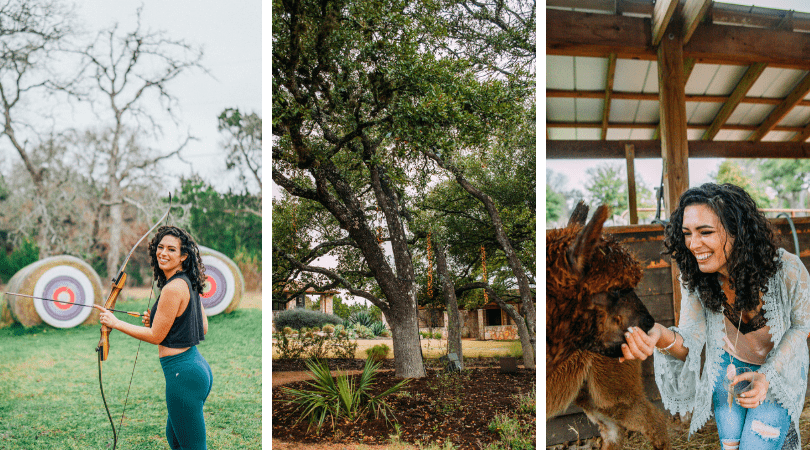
x=133, y=314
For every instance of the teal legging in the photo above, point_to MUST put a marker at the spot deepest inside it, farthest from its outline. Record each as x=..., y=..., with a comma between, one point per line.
x=188, y=383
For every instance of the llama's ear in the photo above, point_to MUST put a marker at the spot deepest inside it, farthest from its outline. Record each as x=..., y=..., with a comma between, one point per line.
x=579, y=214
x=580, y=252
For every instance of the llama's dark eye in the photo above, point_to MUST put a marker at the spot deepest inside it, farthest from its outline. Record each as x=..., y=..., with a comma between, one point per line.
x=617, y=320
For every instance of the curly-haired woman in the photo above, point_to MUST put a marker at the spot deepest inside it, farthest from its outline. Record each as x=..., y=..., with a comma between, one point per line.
x=746, y=303
x=176, y=324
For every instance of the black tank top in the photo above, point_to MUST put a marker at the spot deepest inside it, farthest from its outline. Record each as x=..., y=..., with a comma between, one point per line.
x=187, y=329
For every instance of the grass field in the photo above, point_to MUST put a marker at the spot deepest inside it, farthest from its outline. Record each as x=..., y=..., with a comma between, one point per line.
x=50, y=399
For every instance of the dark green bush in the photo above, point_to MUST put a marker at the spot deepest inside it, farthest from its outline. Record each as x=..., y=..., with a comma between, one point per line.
x=300, y=318
x=378, y=352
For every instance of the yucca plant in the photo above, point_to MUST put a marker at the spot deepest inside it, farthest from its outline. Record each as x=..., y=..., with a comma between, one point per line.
x=377, y=328
x=362, y=318
x=342, y=397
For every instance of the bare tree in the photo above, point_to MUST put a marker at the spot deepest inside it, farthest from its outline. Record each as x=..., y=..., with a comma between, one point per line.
x=30, y=32
x=127, y=72
x=244, y=144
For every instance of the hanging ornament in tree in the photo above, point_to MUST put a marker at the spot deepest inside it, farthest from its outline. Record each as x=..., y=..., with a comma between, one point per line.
x=484, y=270
x=430, y=267
x=379, y=228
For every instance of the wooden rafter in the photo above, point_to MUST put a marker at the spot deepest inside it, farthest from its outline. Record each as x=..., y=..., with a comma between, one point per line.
x=802, y=135
x=748, y=80
x=795, y=96
x=583, y=34
x=611, y=72
x=663, y=10
x=619, y=95
x=693, y=13
x=652, y=126
x=566, y=149
x=721, y=13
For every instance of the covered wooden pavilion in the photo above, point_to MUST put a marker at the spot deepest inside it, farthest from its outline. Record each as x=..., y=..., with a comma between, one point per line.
x=673, y=80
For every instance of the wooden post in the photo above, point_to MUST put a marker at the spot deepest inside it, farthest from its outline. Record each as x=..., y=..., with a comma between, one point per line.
x=674, y=149
x=630, y=155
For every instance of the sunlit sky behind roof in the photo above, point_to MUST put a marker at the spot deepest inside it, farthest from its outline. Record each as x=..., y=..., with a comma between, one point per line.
x=649, y=170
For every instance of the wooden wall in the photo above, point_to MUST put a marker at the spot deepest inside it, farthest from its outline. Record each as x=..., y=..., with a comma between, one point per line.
x=645, y=242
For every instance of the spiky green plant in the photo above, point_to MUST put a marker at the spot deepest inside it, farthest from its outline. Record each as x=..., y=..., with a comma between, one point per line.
x=343, y=396
x=377, y=328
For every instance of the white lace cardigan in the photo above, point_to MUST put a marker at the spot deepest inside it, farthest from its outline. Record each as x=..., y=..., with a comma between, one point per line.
x=787, y=312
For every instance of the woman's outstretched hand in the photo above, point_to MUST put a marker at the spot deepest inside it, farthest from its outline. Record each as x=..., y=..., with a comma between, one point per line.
x=640, y=345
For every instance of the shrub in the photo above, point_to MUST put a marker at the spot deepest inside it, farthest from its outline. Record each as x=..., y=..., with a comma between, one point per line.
x=362, y=318
x=516, y=350
x=340, y=397
x=342, y=346
x=377, y=328
x=385, y=333
x=329, y=329
x=287, y=330
x=437, y=335
x=290, y=347
x=363, y=332
x=300, y=318
x=378, y=352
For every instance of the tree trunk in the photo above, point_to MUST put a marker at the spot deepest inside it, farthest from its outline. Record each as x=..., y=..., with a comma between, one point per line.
x=526, y=342
x=503, y=241
x=405, y=336
x=453, y=322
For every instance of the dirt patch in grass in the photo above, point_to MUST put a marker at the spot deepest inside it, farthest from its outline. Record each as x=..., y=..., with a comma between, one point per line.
x=437, y=408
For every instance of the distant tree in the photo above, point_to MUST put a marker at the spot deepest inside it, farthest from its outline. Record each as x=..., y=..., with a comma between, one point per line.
x=214, y=223
x=122, y=72
x=731, y=171
x=554, y=204
x=790, y=178
x=243, y=144
x=608, y=185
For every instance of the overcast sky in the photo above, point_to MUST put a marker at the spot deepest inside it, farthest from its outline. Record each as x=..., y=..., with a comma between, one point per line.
x=231, y=35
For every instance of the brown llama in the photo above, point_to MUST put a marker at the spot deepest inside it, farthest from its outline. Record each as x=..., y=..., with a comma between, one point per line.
x=590, y=302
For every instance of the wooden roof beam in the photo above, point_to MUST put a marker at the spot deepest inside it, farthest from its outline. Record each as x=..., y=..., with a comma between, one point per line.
x=693, y=13
x=562, y=149
x=618, y=95
x=583, y=34
x=748, y=80
x=793, y=99
x=654, y=126
x=663, y=10
x=611, y=74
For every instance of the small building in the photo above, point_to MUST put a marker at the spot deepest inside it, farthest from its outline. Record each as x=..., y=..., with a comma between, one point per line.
x=489, y=322
x=305, y=300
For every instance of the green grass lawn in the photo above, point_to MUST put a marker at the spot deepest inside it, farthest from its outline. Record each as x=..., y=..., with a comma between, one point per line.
x=50, y=399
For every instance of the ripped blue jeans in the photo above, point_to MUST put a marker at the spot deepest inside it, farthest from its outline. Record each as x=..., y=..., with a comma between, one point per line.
x=760, y=428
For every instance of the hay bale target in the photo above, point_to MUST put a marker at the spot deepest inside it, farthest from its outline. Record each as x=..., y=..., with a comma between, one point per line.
x=224, y=285
x=62, y=277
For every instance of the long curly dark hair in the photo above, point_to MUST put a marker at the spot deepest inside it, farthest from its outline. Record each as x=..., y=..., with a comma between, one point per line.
x=753, y=259
x=192, y=266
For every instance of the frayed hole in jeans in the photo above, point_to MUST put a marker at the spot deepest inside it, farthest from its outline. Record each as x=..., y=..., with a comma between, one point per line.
x=765, y=431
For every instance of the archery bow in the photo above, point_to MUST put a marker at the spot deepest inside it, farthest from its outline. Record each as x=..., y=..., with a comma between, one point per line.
x=103, y=348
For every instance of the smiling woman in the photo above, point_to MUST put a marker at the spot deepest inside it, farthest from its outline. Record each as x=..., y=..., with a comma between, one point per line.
x=747, y=304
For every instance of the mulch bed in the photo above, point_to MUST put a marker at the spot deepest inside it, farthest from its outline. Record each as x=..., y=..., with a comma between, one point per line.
x=437, y=408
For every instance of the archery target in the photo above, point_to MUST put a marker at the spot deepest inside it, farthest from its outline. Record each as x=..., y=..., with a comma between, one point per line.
x=220, y=285
x=67, y=284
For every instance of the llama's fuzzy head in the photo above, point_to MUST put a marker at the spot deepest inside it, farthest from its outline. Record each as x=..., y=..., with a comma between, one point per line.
x=590, y=277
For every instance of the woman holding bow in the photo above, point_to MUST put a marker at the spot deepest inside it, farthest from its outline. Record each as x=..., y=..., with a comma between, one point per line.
x=176, y=324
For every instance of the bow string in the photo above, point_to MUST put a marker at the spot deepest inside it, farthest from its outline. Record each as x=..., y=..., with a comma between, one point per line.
x=103, y=348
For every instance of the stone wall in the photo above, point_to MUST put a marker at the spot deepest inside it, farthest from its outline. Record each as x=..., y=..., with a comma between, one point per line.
x=501, y=333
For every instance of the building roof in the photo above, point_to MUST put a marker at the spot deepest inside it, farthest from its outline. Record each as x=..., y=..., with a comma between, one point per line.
x=746, y=71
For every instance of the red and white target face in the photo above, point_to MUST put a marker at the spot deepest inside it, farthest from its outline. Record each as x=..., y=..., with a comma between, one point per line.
x=66, y=284
x=64, y=294
x=210, y=287
x=220, y=286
